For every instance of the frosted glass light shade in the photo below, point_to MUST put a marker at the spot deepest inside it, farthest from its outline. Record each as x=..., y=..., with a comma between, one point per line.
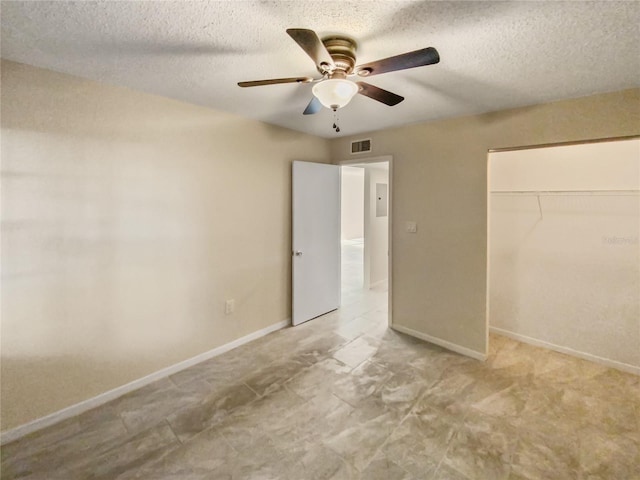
x=335, y=93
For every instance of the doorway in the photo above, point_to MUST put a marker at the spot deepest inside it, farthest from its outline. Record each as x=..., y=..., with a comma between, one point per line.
x=365, y=233
x=352, y=231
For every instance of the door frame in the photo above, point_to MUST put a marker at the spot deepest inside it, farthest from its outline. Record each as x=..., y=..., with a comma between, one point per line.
x=379, y=159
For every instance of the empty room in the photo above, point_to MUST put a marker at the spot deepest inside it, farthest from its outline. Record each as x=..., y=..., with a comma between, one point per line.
x=320, y=240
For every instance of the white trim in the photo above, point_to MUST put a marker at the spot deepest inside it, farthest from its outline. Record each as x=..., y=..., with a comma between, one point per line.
x=569, y=351
x=85, y=405
x=390, y=246
x=357, y=161
x=366, y=228
x=442, y=343
x=487, y=304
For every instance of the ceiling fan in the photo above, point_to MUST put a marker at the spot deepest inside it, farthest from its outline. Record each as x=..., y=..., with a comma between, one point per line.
x=335, y=59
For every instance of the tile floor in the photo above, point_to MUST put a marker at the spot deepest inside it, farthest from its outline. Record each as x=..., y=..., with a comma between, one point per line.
x=343, y=397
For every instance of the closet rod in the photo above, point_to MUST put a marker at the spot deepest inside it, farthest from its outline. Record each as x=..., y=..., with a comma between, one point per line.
x=566, y=192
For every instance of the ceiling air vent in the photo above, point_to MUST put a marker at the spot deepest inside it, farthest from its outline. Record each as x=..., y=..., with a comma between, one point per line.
x=361, y=146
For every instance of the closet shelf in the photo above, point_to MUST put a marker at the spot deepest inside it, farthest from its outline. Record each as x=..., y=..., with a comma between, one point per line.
x=569, y=193
x=565, y=192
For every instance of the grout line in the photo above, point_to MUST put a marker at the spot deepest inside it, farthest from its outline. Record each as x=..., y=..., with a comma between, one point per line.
x=126, y=429
x=166, y=420
x=455, y=433
x=286, y=387
x=224, y=438
x=258, y=395
x=174, y=382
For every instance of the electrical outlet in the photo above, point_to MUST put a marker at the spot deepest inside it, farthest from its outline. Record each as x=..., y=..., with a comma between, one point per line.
x=229, y=306
x=412, y=227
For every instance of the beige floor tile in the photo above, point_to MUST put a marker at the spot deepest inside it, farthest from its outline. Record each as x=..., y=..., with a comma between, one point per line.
x=130, y=455
x=382, y=468
x=357, y=351
x=362, y=382
x=540, y=456
x=319, y=377
x=272, y=376
x=608, y=456
x=360, y=439
x=210, y=411
x=482, y=448
x=445, y=472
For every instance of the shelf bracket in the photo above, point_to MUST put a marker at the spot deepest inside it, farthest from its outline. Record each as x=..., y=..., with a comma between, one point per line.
x=539, y=206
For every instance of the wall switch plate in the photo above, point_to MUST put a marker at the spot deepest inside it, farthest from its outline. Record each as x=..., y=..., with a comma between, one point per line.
x=412, y=227
x=229, y=306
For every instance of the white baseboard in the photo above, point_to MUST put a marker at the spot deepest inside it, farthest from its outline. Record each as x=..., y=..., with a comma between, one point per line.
x=442, y=343
x=85, y=405
x=569, y=351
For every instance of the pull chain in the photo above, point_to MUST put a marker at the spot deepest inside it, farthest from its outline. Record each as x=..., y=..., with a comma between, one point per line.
x=336, y=120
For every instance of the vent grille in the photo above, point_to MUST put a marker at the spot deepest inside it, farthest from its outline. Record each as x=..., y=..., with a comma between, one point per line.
x=361, y=146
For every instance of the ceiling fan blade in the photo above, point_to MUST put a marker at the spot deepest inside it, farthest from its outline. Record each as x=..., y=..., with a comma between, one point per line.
x=418, y=58
x=274, y=81
x=314, y=107
x=384, y=96
x=313, y=46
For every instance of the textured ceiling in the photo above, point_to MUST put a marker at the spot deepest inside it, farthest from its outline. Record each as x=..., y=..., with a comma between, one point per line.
x=494, y=55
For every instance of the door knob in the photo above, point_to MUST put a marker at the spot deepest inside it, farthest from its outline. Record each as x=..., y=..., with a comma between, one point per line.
x=297, y=253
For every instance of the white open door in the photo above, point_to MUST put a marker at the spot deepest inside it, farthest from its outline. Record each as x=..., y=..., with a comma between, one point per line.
x=316, y=240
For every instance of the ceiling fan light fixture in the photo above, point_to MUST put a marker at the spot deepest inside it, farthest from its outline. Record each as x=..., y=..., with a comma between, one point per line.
x=335, y=93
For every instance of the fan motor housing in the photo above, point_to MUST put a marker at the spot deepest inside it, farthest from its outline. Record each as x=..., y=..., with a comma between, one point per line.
x=342, y=51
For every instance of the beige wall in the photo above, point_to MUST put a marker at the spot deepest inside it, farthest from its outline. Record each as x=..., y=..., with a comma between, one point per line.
x=440, y=181
x=352, y=203
x=565, y=267
x=127, y=220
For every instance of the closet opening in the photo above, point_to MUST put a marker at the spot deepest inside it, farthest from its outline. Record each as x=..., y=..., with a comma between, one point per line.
x=563, y=267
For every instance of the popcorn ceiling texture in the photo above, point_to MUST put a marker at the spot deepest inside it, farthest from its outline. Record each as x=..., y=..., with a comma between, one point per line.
x=495, y=55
